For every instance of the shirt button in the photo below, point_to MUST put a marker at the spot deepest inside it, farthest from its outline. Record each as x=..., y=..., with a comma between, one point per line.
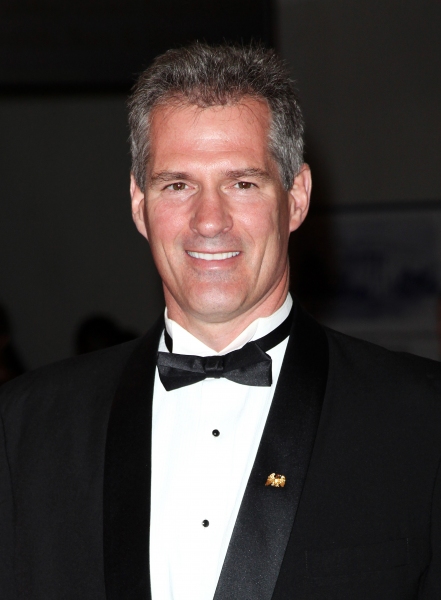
x=215, y=432
x=205, y=523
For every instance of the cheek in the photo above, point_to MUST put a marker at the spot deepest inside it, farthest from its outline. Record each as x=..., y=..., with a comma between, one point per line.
x=263, y=228
x=164, y=225
x=271, y=238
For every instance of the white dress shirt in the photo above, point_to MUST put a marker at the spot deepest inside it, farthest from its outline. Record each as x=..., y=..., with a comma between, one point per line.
x=205, y=438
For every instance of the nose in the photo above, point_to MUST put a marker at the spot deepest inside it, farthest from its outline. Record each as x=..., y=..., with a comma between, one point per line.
x=211, y=214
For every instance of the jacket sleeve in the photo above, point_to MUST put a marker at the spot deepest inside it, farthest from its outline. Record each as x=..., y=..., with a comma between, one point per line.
x=7, y=584
x=430, y=588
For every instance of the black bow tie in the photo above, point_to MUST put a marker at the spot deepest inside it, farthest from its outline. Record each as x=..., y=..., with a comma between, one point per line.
x=249, y=366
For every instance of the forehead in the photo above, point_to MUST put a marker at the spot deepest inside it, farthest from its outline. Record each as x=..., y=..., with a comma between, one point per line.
x=241, y=127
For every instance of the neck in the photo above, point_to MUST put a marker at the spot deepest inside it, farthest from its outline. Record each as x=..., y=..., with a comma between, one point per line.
x=219, y=334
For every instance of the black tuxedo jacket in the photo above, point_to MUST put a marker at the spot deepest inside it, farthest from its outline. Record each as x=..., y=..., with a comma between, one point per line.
x=355, y=429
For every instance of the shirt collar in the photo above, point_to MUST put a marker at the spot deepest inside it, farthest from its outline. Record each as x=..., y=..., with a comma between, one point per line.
x=185, y=343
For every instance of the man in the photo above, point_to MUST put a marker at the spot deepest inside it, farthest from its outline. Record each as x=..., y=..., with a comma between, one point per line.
x=239, y=450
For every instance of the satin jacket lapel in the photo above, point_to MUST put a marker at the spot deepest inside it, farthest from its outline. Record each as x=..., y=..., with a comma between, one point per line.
x=267, y=514
x=127, y=473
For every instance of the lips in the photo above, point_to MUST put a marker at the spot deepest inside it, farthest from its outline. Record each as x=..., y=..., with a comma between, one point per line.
x=213, y=255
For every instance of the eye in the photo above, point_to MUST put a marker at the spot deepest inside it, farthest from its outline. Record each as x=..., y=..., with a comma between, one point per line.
x=177, y=187
x=244, y=185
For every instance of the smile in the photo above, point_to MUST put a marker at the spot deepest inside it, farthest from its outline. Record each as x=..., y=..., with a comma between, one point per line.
x=213, y=256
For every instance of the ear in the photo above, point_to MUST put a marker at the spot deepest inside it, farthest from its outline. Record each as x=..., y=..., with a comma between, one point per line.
x=299, y=196
x=138, y=207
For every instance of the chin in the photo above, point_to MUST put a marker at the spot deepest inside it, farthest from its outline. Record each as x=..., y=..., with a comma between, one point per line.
x=217, y=307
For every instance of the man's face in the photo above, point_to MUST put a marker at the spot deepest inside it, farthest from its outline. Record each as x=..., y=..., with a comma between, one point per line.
x=215, y=212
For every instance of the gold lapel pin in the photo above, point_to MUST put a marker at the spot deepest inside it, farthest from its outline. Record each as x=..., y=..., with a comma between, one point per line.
x=276, y=480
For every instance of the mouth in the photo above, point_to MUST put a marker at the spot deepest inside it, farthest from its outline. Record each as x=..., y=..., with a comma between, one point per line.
x=213, y=255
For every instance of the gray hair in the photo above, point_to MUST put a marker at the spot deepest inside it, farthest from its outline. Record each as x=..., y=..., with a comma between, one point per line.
x=205, y=76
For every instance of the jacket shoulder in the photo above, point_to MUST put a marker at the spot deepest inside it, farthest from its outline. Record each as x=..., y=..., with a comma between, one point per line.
x=376, y=365
x=79, y=377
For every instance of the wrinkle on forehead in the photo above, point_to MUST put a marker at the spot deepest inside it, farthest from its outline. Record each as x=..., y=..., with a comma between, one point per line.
x=161, y=113
x=200, y=132
x=166, y=176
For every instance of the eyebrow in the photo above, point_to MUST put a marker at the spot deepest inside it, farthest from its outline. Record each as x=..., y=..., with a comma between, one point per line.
x=249, y=172
x=164, y=176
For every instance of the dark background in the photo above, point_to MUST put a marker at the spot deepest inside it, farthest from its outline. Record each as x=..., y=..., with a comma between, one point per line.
x=368, y=75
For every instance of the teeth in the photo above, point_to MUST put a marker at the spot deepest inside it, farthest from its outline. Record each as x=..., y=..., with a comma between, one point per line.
x=214, y=256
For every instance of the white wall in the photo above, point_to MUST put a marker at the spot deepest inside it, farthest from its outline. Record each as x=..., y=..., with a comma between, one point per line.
x=368, y=72
x=68, y=245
